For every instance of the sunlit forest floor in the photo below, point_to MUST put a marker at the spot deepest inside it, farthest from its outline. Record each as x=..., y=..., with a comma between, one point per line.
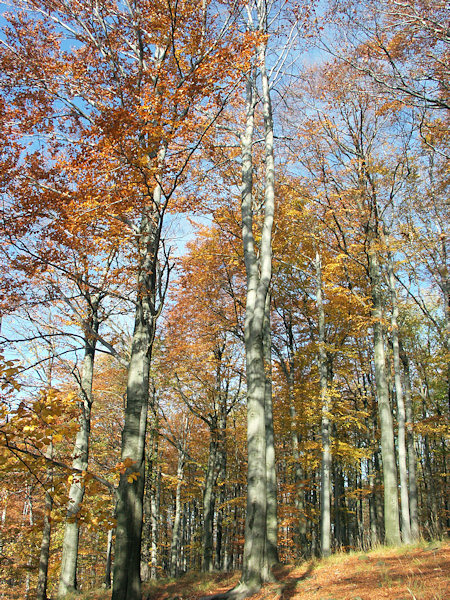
x=419, y=572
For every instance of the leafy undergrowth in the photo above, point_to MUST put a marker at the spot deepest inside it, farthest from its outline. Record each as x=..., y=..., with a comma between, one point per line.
x=407, y=573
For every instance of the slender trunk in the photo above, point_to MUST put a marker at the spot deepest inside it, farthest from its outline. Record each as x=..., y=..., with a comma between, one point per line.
x=28, y=510
x=146, y=528
x=391, y=513
x=401, y=417
x=155, y=504
x=372, y=506
x=108, y=564
x=3, y=517
x=69, y=558
x=325, y=478
x=300, y=538
x=222, y=469
x=209, y=500
x=151, y=452
x=41, y=590
x=413, y=496
x=175, y=544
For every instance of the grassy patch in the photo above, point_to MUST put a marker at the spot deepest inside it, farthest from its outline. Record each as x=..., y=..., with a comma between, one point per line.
x=419, y=572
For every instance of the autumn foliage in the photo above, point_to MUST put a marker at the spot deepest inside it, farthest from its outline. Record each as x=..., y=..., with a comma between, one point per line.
x=135, y=178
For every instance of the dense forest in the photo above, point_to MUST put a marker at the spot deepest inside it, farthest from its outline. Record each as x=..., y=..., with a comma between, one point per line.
x=225, y=290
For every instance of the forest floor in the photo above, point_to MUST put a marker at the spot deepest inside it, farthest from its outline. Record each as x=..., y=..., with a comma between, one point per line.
x=420, y=572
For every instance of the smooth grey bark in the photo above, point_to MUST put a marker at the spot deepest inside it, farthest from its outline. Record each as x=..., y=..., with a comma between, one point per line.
x=255, y=524
x=129, y=509
x=151, y=452
x=155, y=517
x=413, y=495
x=69, y=558
x=391, y=512
x=44, y=555
x=256, y=564
x=108, y=563
x=325, y=474
x=209, y=498
x=288, y=366
x=429, y=479
x=299, y=475
x=154, y=493
x=176, y=529
x=271, y=551
x=372, y=506
x=28, y=509
x=221, y=479
x=3, y=517
x=401, y=416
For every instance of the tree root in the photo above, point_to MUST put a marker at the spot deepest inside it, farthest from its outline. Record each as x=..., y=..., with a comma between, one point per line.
x=239, y=592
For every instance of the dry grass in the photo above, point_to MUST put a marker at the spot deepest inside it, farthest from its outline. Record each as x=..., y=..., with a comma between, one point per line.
x=407, y=573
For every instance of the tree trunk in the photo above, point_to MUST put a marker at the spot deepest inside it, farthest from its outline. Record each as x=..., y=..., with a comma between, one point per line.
x=209, y=500
x=257, y=562
x=129, y=509
x=391, y=513
x=41, y=589
x=127, y=582
x=222, y=473
x=255, y=527
x=413, y=496
x=175, y=544
x=325, y=477
x=155, y=505
x=69, y=558
x=402, y=466
x=300, y=537
x=108, y=564
x=271, y=551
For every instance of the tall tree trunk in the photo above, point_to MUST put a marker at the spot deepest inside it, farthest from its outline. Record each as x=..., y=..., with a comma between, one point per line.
x=175, y=543
x=146, y=526
x=372, y=506
x=256, y=565
x=255, y=528
x=28, y=510
x=209, y=500
x=391, y=512
x=300, y=538
x=129, y=510
x=288, y=366
x=108, y=564
x=69, y=558
x=257, y=562
x=413, y=495
x=401, y=417
x=44, y=555
x=155, y=505
x=222, y=473
x=325, y=477
x=271, y=551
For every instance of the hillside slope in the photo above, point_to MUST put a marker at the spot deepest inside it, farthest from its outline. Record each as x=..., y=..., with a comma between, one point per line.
x=406, y=573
